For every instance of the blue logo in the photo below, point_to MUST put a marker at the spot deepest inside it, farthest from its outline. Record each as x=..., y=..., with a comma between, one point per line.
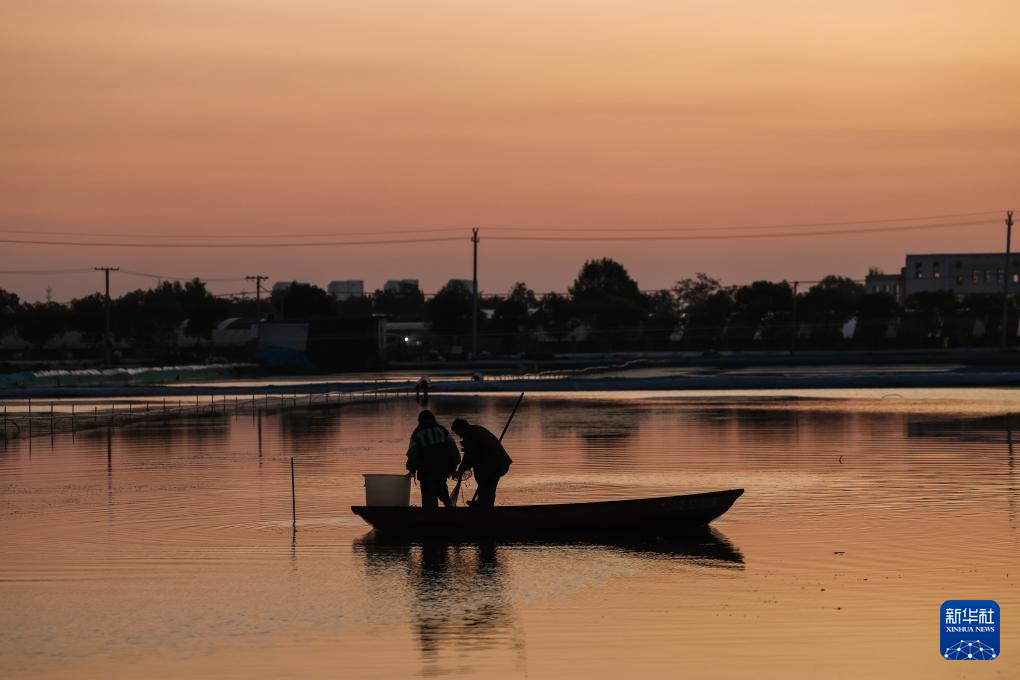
x=970, y=630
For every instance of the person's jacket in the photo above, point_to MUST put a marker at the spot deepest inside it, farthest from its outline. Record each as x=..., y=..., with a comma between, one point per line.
x=432, y=451
x=483, y=452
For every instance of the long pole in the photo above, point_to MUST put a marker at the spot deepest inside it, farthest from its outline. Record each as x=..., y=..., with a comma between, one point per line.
x=474, y=295
x=107, y=342
x=793, y=320
x=293, y=496
x=258, y=279
x=1003, y=337
x=510, y=419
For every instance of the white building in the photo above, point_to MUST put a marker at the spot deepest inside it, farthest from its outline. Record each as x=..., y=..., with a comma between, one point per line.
x=961, y=273
x=466, y=284
x=395, y=285
x=343, y=290
x=885, y=283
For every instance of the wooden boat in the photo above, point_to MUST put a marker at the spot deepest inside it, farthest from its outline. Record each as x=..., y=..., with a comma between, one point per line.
x=655, y=516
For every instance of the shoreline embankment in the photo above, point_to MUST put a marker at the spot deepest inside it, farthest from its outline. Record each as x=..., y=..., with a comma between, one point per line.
x=607, y=380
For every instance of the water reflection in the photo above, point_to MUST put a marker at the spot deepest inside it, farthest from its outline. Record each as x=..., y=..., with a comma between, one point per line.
x=986, y=429
x=462, y=594
x=459, y=593
x=309, y=428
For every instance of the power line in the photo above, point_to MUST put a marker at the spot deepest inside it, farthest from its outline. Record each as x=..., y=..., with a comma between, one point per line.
x=432, y=230
x=725, y=237
x=285, y=244
x=164, y=277
x=711, y=237
x=206, y=234
x=30, y=272
x=800, y=225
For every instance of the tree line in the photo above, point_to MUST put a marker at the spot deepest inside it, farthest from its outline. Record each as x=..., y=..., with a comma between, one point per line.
x=603, y=310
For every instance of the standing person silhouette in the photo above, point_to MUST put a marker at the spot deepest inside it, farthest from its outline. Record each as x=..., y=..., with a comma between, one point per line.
x=433, y=456
x=484, y=453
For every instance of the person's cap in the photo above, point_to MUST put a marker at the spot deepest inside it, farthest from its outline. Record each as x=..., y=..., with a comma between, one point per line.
x=426, y=416
x=458, y=423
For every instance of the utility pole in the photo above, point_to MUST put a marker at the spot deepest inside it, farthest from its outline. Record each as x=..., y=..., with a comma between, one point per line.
x=474, y=291
x=1003, y=336
x=793, y=320
x=107, y=342
x=258, y=279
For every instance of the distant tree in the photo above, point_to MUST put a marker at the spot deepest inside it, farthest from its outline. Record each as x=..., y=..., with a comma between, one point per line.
x=828, y=305
x=875, y=312
x=705, y=321
x=88, y=317
x=604, y=277
x=512, y=316
x=762, y=313
x=449, y=313
x=9, y=305
x=985, y=308
x=356, y=307
x=929, y=313
x=692, y=291
x=202, y=309
x=406, y=303
x=555, y=315
x=606, y=297
x=39, y=322
x=149, y=318
x=662, y=320
x=302, y=301
x=983, y=305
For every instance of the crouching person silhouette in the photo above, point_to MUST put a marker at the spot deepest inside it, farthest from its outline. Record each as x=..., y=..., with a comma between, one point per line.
x=483, y=453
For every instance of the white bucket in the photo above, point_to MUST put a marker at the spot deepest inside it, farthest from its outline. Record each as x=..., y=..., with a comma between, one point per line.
x=388, y=490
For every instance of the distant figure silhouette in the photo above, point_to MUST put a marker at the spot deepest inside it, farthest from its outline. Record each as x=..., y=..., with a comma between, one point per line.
x=433, y=456
x=483, y=453
x=421, y=391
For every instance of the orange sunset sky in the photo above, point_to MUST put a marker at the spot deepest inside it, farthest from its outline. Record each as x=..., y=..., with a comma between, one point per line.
x=261, y=118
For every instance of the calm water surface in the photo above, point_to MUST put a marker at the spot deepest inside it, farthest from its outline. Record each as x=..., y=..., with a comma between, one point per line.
x=166, y=550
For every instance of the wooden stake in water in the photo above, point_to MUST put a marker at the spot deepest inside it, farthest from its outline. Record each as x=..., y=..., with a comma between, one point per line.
x=293, y=496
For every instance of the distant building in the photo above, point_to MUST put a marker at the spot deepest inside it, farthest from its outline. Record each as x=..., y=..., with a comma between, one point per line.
x=234, y=332
x=885, y=283
x=396, y=285
x=466, y=284
x=344, y=290
x=961, y=273
x=326, y=344
x=405, y=332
